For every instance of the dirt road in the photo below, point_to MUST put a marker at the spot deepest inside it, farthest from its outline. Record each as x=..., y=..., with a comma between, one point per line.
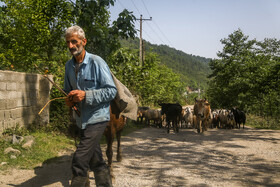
x=152, y=158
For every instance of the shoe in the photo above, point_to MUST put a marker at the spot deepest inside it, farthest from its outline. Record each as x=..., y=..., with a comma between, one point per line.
x=78, y=181
x=103, y=178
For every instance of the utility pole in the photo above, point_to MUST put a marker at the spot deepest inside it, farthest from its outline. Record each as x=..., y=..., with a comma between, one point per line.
x=141, y=58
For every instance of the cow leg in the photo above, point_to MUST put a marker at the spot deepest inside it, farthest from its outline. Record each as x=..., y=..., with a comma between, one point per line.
x=205, y=125
x=199, y=127
x=109, y=151
x=202, y=126
x=160, y=124
x=173, y=126
x=119, y=153
x=168, y=127
x=148, y=122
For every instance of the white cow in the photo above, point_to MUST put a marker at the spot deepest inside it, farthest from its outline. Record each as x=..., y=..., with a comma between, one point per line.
x=188, y=117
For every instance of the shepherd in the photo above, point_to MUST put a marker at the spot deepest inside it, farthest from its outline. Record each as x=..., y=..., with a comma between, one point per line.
x=90, y=87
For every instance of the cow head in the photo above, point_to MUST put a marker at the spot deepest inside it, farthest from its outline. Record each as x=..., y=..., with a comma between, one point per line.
x=164, y=108
x=188, y=110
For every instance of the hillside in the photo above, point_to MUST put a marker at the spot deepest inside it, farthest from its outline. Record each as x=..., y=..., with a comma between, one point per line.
x=193, y=69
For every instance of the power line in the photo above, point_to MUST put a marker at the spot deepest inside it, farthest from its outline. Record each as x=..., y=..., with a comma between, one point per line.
x=156, y=25
x=121, y=4
x=156, y=34
x=146, y=8
x=162, y=33
x=135, y=6
x=150, y=38
x=158, y=28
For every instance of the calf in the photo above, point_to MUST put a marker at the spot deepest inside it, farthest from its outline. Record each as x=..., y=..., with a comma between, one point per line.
x=188, y=117
x=115, y=127
x=216, y=119
x=239, y=116
x=223, y=115
x=172, y=112
x=230, y=120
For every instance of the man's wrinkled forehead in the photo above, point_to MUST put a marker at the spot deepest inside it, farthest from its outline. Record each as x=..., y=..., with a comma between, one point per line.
x=73, y=35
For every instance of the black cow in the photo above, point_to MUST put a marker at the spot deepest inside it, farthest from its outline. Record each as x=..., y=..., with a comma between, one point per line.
x=173, y=114
x=239, y=116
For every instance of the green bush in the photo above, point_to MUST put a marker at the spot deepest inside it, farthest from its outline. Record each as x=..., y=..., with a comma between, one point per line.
x=263, y=123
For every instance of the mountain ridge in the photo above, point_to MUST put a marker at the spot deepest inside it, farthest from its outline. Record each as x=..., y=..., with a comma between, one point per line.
x=192, y=69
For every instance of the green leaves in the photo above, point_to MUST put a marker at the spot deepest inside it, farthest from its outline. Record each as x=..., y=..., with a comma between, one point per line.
x=124, y=25
x=33, y=31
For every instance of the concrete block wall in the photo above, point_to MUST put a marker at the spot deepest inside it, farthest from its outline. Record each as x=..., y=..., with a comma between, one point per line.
x=22, y=95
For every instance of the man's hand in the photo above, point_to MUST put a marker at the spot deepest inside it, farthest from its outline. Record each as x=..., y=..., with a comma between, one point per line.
x=69, y=102
x=76, y=96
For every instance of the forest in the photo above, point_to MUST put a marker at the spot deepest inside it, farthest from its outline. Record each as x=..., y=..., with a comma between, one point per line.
x=245, y=75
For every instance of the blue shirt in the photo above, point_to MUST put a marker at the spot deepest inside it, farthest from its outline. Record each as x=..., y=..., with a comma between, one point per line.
x=94, y=77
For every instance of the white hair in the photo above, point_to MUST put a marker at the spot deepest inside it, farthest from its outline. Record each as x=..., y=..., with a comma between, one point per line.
x=75, y=29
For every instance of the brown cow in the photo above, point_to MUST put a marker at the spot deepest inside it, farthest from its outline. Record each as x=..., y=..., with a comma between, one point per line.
x=116, y=125
x=202, y=113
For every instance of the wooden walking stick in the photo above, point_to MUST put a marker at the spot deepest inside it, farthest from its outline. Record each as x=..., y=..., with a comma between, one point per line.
x=59, y=89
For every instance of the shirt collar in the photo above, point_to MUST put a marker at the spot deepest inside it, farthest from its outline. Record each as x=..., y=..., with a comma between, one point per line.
x=85, y=61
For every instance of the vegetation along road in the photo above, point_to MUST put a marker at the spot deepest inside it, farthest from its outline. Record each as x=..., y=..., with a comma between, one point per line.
x=151, y=157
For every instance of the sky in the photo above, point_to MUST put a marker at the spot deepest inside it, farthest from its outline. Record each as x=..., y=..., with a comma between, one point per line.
x=197, y=26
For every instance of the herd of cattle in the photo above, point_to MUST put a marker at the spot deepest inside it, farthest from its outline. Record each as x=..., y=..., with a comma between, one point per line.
x=173, y=115
x=199, y=116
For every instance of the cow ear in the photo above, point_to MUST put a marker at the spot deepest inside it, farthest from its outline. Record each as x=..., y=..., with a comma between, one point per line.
x=207, y=104
x=195, y=99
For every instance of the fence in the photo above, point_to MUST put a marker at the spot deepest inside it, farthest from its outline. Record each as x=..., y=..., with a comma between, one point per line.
x=22, y=95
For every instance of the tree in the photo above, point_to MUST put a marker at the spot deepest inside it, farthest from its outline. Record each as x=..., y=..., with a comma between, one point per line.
x=32, y=31
x=230, y=83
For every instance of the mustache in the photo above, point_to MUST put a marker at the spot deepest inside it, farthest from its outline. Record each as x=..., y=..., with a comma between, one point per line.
x=73, y=49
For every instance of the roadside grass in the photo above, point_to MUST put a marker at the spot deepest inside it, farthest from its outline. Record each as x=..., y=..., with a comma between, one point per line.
x=47, y=146
x=259, y=122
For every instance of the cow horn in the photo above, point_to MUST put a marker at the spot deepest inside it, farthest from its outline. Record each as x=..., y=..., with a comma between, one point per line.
x=205, y=99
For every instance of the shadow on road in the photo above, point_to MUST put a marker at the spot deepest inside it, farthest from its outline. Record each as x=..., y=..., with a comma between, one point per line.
x=211, y=156
x=54, y=170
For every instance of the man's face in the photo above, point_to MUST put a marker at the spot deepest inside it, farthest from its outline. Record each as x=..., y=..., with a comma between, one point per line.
x=75, y=44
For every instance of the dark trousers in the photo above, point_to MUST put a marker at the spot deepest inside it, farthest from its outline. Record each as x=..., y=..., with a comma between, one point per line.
x=88, y=154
